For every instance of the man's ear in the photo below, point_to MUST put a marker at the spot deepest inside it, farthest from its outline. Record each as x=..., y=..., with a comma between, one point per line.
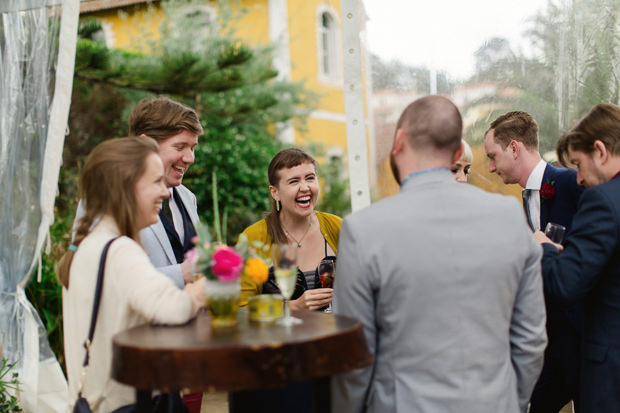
x=458, y=153
x=600, y=151
x=400, y=140
x=513, y=146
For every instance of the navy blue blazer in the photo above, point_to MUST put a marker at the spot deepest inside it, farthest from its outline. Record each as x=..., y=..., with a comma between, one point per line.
x=563, y=206
x=589, y=270
x=564, y=323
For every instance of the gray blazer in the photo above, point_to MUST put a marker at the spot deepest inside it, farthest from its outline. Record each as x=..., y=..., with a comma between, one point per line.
x=445, y=279
x=155, y=240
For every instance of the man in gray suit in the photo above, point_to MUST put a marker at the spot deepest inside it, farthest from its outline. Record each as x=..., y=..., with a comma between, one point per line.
x=445, y=279
x=176, y=128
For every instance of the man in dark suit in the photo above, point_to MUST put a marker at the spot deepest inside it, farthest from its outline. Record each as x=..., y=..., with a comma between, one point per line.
x=589, y=267
x=550, y=194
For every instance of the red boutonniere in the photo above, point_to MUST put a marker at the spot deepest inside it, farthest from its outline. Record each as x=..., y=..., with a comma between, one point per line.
x=547, y=192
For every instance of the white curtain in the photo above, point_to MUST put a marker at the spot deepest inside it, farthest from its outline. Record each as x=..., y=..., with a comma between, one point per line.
x=37, y=51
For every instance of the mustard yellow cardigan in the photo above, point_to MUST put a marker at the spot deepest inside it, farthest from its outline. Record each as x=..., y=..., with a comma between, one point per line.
x=330, y=228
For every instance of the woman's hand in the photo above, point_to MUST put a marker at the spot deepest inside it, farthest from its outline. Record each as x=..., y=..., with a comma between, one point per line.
x=312, y=299
x=198, y=292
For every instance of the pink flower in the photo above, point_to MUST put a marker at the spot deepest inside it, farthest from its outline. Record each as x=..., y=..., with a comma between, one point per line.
x=227, y=264
x=192, y=256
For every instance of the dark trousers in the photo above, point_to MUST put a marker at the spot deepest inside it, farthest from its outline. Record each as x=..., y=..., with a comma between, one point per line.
x=557, y=385
x=296, y=397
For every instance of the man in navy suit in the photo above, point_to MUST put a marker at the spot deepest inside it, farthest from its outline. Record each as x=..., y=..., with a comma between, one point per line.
x=550, y=194
x=589, y=267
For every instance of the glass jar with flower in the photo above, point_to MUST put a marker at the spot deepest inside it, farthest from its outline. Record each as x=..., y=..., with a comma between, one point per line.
x=222, y=265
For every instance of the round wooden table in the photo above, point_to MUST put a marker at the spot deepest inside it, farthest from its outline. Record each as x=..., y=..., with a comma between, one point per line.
x=197, y=358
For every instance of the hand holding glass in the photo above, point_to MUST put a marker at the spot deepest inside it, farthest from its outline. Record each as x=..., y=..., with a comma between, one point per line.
x=285, y=269
x=555, y=232
x=326, y=276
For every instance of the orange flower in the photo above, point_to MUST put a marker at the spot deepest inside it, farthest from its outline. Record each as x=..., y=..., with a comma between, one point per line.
x=256, y=269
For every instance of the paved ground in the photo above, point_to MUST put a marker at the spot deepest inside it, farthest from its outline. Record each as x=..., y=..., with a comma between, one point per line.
x=214, y=403
x=218, y=403
x=568, y=408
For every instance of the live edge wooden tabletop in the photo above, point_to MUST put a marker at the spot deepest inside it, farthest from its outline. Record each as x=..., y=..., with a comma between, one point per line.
x=250, y=356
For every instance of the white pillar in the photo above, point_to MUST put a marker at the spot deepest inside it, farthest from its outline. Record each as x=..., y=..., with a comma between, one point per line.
x=279, y=35
x=351, y=12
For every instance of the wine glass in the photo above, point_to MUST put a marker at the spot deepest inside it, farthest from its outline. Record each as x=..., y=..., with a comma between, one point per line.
x=327, y=269
x=555, y=232
x=285, y=271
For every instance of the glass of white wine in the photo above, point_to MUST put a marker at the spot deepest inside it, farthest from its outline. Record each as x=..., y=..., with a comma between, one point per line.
x=285, y=269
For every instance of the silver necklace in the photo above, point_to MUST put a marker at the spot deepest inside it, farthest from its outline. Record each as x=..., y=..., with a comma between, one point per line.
x=298, y=243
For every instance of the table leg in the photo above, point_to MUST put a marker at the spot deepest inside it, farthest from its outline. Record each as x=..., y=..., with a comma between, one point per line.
x=143, y=401
x=322, y=395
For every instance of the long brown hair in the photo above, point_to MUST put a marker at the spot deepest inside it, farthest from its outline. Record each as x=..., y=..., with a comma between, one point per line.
x=286, y=158
x=107, y=187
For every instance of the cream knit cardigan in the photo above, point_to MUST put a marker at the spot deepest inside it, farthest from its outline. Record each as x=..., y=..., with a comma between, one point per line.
x=134, y=293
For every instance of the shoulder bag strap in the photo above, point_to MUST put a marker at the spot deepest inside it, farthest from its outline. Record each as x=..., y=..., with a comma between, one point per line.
x=95, y=313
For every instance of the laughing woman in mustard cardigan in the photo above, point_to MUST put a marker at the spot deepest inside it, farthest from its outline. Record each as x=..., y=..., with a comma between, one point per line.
x=294, y=187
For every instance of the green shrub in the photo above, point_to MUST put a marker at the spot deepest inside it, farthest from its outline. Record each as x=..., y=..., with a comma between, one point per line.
x=9, y=384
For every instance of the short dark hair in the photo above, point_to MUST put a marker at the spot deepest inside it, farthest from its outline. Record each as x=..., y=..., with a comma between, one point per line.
x=286, y=158
x=516, y=125
x=160, y=118
x=601, y=123
x=432, y=122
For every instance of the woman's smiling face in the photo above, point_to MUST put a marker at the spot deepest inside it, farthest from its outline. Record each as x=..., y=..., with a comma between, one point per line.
x=150, y=191
x=297, y=189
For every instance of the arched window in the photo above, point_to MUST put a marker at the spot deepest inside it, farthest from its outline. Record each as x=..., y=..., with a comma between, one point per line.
x=328, y=46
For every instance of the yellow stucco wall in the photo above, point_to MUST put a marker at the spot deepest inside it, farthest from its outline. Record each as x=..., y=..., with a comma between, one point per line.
x=253, y=26
x=303, y=20
x=134, y=27
x=326, y=132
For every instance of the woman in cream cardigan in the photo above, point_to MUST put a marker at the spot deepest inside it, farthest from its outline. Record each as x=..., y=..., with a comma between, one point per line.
x=294, y=187
x=123, y=183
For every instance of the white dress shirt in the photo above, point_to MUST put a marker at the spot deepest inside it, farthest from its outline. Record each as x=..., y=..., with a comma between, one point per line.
x=534, y=183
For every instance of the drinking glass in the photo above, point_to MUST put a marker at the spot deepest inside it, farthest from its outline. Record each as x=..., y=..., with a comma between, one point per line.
x=285, y=271
x=327, y=269
x=555, y=232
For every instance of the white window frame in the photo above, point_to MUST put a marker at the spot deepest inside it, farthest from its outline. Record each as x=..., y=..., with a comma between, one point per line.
x=334, y=75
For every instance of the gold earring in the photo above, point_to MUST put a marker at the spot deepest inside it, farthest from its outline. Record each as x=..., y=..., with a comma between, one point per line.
x=278, y=206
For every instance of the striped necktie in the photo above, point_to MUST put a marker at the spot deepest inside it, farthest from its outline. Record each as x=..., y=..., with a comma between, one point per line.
x=525, y=194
